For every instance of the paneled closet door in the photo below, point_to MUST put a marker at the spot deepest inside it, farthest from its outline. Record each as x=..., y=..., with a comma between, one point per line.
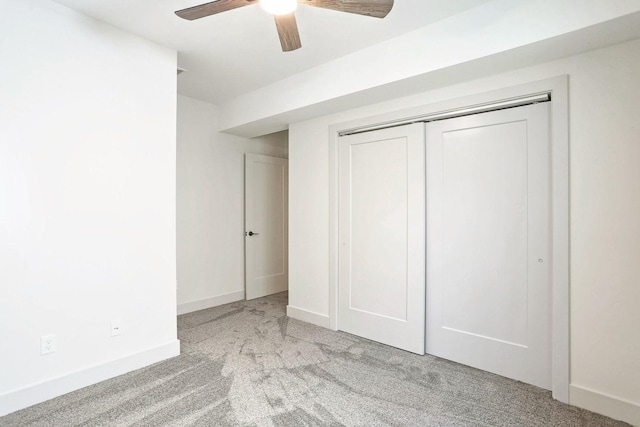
x=488, y=242
x=381, y=236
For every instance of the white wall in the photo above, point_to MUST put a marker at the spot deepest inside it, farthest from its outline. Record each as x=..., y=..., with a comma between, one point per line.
x=605, y=215
x=211, y=205
x=87, y=201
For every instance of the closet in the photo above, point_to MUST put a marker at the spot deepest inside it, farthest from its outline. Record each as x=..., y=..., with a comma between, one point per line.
x=444, y=229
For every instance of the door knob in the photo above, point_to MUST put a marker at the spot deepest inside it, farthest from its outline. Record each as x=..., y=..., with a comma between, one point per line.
x=251, y=233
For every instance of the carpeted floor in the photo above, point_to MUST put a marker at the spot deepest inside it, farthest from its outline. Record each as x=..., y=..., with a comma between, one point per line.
x=247, y=364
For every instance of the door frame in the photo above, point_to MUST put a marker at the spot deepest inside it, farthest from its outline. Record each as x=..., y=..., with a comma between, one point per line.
x=558, y=88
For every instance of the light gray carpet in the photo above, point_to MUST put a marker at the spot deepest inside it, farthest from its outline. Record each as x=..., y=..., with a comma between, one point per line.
x=247, y=364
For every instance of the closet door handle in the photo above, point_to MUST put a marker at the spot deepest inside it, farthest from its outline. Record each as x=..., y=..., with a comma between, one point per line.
x=251, y=233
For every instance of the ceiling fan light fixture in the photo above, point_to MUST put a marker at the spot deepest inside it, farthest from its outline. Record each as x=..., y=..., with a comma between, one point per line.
x=282, y=11
x=279, y=7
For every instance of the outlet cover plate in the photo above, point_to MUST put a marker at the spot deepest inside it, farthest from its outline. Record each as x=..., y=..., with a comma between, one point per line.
x=47, y=344
x=116, y=327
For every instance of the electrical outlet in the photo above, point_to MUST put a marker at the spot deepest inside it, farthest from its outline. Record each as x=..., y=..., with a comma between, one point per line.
x=47, y=344
x=116, y=327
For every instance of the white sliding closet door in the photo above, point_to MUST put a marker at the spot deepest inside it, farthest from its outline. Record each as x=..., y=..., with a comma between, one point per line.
x=488, y=242
x=381, y=235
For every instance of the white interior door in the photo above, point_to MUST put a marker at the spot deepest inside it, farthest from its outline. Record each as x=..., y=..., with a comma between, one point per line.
x=266, y=225
x=381, y=234
x=488, y=242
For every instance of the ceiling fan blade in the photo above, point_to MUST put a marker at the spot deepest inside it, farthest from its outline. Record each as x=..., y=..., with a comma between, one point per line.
x=212, y=8
x=288, y=32
x=374, y=8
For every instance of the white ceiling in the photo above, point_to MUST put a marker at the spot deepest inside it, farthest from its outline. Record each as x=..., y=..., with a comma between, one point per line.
x=238, y=51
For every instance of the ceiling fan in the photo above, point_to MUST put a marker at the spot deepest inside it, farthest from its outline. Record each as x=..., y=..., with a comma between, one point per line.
x=283, y=12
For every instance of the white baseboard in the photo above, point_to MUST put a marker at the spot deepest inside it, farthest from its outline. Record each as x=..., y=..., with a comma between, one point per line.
x=36, y=393
x=201, y=304
x=308, y=316
x=604, y=404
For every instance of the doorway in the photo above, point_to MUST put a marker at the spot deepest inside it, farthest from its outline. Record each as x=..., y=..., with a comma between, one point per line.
x=555, y=265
